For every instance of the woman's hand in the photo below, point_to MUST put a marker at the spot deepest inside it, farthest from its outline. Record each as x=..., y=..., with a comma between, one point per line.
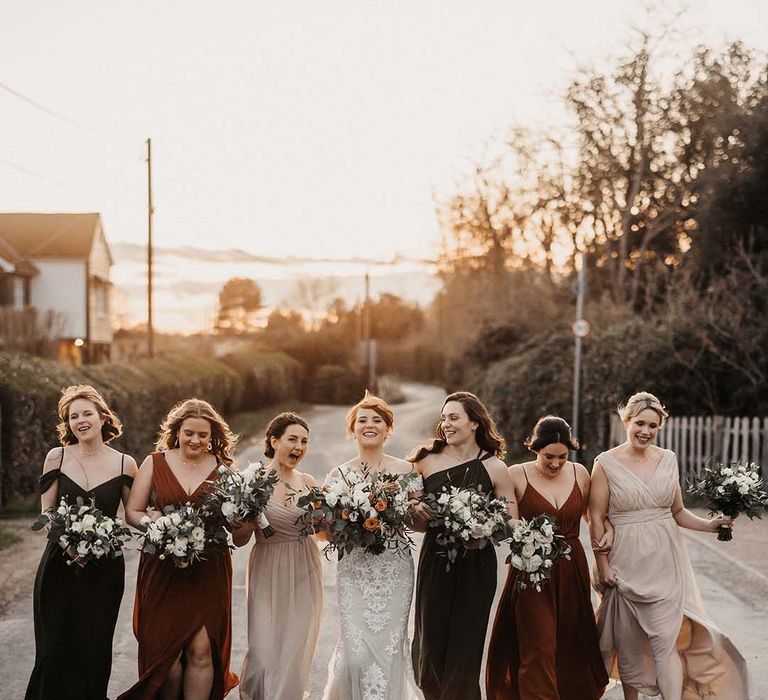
x=720, y=521
x=73, y=555
x=476, y=544
x=420, y=513
x=606, y=576
x=604, y=544
x=180, y=563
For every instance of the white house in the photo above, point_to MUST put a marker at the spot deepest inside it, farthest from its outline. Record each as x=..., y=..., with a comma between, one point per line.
x=60, y=264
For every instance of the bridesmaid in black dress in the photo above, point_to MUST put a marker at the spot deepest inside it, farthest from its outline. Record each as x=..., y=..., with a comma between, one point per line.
x=76, y=606
x=452, y=608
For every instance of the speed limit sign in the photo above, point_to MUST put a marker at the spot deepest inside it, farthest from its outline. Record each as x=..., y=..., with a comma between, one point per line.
x=581, y=328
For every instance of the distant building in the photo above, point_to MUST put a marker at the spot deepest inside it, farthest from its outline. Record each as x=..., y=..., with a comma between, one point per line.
x=58, y=266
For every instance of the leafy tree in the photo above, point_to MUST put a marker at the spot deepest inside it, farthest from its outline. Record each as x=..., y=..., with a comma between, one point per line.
x=239, y=300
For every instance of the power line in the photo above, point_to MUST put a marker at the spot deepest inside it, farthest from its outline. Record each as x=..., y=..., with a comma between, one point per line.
x=49, y=111
x=29, y=172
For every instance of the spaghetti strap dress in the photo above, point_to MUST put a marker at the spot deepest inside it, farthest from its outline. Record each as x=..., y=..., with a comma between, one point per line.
x=75, y=609
x=172, y=604
x=452, y=607
x=544, y=645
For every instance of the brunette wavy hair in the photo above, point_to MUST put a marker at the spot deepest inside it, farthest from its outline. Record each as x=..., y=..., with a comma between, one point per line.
x=551, y=430
x=277, y=427
x=223, y=440
x=487, y=434
x=112, y=426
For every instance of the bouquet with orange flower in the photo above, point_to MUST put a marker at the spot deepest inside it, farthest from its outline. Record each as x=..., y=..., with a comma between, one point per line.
x=359, y=512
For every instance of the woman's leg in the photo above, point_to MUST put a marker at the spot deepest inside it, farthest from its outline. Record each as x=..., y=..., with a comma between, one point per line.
x=198, y=670
x=171, y=687
x=670, y=678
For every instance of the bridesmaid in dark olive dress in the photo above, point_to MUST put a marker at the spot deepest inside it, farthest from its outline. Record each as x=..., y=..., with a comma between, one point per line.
x=76, y=606
x=452, y=607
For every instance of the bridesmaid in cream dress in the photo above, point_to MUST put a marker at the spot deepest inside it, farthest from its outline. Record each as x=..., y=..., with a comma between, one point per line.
x=284, y=579
x=654, y=633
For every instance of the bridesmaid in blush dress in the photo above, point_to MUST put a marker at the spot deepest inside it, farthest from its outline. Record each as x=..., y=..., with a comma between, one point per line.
x=544, y=644
x=76, y=605
x=452, y=607
x=654, y=633
x=182, y=616
x=284, y=578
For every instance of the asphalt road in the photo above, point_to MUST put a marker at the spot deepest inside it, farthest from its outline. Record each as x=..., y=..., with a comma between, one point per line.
x=733, y=581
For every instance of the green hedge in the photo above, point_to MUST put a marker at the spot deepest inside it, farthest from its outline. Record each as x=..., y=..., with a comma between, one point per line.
x=141, y=393
x=624, y=358
x=267, y=378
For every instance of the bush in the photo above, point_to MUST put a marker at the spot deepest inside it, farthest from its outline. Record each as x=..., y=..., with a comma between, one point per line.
x=266, y=378
x=619, y=360
x=141, y=393
x=334, y=384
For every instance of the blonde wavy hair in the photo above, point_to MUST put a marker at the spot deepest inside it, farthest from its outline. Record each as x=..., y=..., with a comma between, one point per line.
x=223, y=440
x=639, y=402
x=112, y=426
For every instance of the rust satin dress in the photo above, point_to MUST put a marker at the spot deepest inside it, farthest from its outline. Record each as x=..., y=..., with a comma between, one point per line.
x=172, y=604
x=544, y=645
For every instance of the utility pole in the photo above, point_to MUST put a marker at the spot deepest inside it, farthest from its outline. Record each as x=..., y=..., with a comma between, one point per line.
x=150, y=211
x=580, y=329
x=370, y=371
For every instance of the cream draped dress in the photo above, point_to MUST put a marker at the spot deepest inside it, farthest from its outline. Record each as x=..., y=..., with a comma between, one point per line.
x=656, y=607
x=285, y=602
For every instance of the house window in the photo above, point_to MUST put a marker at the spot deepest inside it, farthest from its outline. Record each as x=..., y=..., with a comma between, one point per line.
x=101, y=299
x=18, y=292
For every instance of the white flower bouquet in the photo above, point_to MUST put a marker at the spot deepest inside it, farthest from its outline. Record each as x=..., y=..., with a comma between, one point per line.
x=357, y=512
x=466, y=518
x=731, y=490
x=534, y=549
x=83, y=531
x=240, y=497
x=180, y=534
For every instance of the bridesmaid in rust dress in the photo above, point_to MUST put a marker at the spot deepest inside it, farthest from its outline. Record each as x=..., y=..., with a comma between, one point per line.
x=183, y=616
x=544, y=645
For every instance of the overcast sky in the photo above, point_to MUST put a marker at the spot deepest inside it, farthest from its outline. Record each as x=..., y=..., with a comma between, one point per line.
x=289, y=128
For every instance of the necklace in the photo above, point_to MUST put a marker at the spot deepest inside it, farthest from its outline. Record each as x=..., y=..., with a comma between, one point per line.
x=546, y=476
x=190, y=465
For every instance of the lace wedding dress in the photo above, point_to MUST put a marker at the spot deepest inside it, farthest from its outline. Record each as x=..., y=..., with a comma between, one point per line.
x=372, y=660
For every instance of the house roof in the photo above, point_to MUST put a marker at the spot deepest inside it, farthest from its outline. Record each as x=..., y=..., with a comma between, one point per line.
x=50, y=235
x=12, y=261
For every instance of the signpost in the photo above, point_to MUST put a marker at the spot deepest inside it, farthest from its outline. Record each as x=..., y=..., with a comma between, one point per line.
x=580, y=330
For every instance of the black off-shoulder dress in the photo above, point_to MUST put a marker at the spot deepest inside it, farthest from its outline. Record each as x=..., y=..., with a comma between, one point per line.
x=75, y=609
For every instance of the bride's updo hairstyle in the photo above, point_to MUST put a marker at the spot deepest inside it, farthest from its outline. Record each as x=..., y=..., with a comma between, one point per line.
x=550, y=430
x=639, y=402
x=487, y=435
x=380, y=406
x=277, y=427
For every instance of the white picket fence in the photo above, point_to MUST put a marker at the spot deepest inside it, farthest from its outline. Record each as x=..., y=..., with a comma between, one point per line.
x=697, y=439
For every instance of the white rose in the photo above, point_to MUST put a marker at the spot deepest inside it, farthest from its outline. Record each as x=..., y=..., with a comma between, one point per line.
x=228, y=509
x=175, y=518
x=179, y=550
x=145, y=520
x=61, y=510
x=88, y=523
x=743, y=489
x=83, y=510
x=82, y=548
x=534, y=563
x=331, y=499
x=63, y=539
x=76, y=527
x=517, y=561
x=528, y=550
x=443, y=498
x=198, y=534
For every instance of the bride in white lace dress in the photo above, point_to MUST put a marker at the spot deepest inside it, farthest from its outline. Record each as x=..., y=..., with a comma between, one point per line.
x=371, y=660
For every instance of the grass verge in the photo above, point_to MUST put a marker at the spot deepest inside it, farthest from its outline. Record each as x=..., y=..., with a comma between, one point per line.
x=7, y=538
